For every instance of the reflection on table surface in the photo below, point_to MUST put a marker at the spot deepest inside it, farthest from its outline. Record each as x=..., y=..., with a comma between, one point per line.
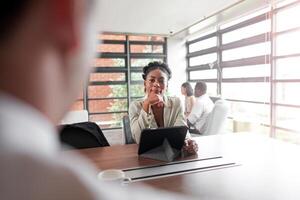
x=269, y=169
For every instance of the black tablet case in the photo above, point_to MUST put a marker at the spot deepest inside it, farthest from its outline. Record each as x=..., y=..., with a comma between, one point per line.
x=162, y=143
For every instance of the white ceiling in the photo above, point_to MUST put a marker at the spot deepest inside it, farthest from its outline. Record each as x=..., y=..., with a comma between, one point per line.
x=165, y=17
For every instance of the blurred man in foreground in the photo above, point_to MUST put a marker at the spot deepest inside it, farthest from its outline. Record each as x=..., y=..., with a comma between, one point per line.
x=45, y=54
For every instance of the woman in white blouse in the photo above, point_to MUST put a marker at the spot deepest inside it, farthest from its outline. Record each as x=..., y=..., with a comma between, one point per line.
x=156, y=109
x=187, y=91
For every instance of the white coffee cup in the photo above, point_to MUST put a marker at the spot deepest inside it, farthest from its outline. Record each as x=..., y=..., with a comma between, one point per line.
x=112, y=175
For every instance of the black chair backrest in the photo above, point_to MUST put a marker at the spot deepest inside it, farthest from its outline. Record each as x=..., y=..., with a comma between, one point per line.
x=127, y=130
x=83, y=135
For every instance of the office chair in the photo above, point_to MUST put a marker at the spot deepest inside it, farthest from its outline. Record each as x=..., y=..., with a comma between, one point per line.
x=217, y=118
x=82, y=135
x=127, y=130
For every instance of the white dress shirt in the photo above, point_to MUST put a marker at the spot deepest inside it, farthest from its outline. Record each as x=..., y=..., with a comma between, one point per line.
x=33, y=167
x=200, y=111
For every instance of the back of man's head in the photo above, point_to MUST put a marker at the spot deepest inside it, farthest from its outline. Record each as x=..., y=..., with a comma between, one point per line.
x=44, y=52
x=200, y=88
x=10, y=12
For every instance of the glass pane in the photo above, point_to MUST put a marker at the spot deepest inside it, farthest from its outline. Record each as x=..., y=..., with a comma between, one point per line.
x=107, y=105
x=247, y=51
x=78, y=105
x=287, y=136
x=288, y=18
x=103, y=91
x=201, y=34
x=146, y=38
x=246, y=91
x=284, y=3
x=246, y=17
x=287, y=93
x=118, y=90
x=204, y=44
x=111, y=48
x=246, y=32
x=136, y=76
x=288, y=118
x=203, y=74
x=205, y=59
x=211, y=89
x=288, y=68
x=107, y=77
x=146, y=48
x=109, y=62
x=141, y=62
x=108, y=120
x=137, y=90
x=249, y=117
x=247, y=71
x=111, y=37
x=287, y=43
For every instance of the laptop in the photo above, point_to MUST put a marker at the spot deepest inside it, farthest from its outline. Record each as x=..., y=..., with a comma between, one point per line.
x=162, y=143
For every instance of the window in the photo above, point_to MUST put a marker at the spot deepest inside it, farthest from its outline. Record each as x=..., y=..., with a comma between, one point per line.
x=285, y=43
x=247, y=51
x=203, y=59
x=141, y=62
x=288, y=68
x=246, y=32
x=203, y=74
x=237, y=68
x=287, y=93
x=287, y=18
x=205, y=44
x=287, y=77
x=108, y=96
x=249, y=91
x=134, y=48
x=111, y=48
x=288, y=118
x=109, y=62
x=241, y=68
x=247, y=71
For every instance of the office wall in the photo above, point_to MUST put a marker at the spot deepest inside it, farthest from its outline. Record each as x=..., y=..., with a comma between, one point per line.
x=176, y=59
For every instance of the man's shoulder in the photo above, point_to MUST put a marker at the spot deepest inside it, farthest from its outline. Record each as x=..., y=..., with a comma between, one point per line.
x=34, y=175
x=204, y=98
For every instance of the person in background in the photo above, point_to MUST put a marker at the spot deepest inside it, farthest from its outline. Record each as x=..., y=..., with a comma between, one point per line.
x=187, y=92
x=46, y=53
x=201, y=109
x=157, y=109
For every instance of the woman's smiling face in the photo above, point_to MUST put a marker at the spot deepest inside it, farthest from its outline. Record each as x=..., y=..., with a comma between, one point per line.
x=156, y=81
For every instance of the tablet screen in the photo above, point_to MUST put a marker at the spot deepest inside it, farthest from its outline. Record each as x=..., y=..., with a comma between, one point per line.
x=151, y=138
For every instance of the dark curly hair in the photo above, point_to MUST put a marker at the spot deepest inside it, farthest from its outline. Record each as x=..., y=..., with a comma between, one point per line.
x=11, y=11
x=156, y=65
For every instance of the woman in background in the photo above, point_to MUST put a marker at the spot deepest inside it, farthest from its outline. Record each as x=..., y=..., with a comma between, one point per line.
x=156, y=109
x=187, y=91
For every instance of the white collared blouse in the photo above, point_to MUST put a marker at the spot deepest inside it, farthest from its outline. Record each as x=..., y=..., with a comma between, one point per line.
x=140, y=119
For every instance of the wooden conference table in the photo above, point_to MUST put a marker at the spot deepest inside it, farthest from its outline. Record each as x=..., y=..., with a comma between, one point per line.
x=269, y=169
